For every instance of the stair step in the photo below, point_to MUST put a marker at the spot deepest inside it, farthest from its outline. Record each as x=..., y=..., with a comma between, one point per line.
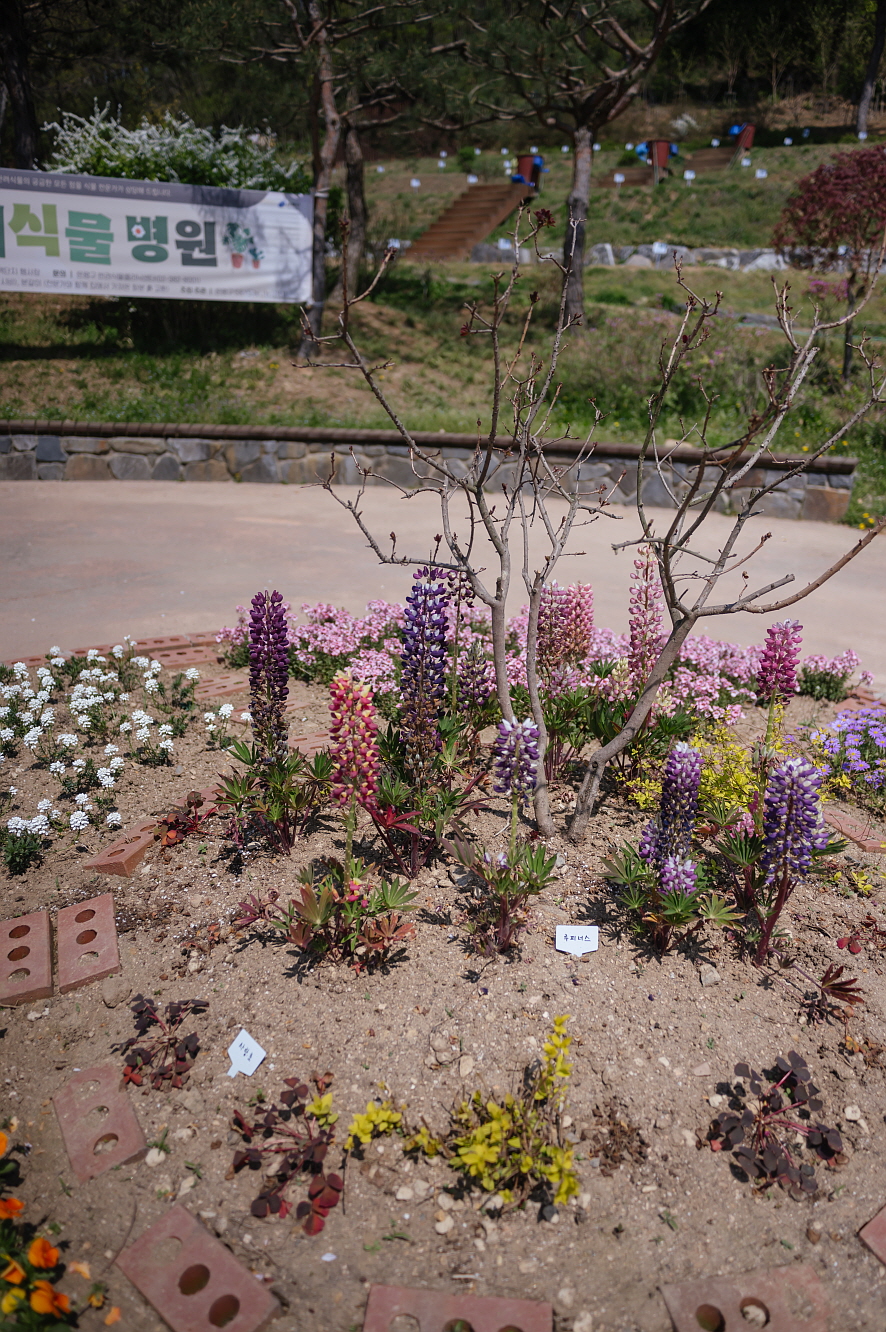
x=467, y=221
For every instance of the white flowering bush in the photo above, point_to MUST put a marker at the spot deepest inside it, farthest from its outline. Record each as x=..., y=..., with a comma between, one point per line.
x=216, y=724
x=172, y=149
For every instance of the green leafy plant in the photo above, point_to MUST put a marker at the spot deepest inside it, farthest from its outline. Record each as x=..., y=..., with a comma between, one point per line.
x=511, y=877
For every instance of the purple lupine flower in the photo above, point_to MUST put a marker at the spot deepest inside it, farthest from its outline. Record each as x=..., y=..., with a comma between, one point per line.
x=269, y=673
x=424, y=657
x=475, y=680
x=677, y=875
x=644, y=619
x=777, y=673
x=671, y=833
x=515, y=758
x=792, y=822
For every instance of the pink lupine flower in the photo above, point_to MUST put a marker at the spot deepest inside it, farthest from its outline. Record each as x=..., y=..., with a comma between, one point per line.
x=644, y=618
x=354, y=736
x=777, y=675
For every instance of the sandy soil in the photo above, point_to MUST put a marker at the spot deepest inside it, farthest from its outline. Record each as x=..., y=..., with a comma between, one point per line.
x=653, y=1050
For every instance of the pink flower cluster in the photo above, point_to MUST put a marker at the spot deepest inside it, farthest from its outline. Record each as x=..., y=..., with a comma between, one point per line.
x=645, y=614
x=565, y=625
x=354, y=741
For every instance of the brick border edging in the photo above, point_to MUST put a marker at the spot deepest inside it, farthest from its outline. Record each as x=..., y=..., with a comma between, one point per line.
x=299, y=455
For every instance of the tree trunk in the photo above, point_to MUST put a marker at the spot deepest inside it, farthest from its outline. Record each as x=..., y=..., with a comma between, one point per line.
x=323, y=165
x=574, y=245
x=851, y=302
x=870, y=77
x=542, y=798
x=357, y=215
x=499, y=656
x=14, y=45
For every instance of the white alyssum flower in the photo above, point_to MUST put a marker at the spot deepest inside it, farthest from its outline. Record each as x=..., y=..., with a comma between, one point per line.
x=165, y=729
x=57, y=660
x=118, y=650
x=33, y=737
x=79, y=764
x=126, y=727
x=142, y=734
x=44, y=805
x=112, y=749
x=151, y=685
x=58, y=768
x=82, y=800
x=20, y=670
x=106, y=777
x=141, y=662
x=117, y=763
x=114, y=819
x=78, y=821
x=192, y=673
x=7, y=733
x=68, y=740
x=167, y=745
x=226, y=710
x=56, y=652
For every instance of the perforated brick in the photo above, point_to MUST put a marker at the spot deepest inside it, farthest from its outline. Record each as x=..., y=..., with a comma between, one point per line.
x=25, y=959
x=30, y=662
x=311, y=743
x=438, y=1310
x=862, y=834
x=124, y=855
x=792, y=1299
x=87, y=943
x=193, y=1281
x=222, y=687
x=874, y=1235
x=208, y=638
x=102, y=648
x=97, y=1122
x=154, y=645
x=178, y=658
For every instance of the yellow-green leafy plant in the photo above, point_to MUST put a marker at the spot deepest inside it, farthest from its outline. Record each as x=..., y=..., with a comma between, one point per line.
x=514, y=1148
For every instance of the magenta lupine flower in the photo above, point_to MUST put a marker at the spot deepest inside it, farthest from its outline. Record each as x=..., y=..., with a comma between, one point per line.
x=777, y=674
x=354, y=741
x=424, y=656
x=677, y=875
x=269, y=673
x=670, y=835
x=792, y=821
x=515, y=758
x=645, y=612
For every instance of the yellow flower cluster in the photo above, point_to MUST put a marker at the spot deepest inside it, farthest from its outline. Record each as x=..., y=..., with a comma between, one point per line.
x=378, y=1119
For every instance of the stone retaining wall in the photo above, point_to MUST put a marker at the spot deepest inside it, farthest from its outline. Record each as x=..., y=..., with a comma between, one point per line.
x=822, y=495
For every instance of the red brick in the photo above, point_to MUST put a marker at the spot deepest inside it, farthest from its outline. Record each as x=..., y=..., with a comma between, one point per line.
x=86, y=937
x=438, y=1310
x=222, y=686
x=192, y=1280
x=102, y=648
x=862, y=834
x=874, y=1235
x=39, y=660
x=122, y=856
x=97, y=1122
x=793, y=1298
x=25, y=959
x=172, y=658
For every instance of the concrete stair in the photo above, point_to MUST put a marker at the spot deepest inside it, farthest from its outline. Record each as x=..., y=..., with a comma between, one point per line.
x=468, y=221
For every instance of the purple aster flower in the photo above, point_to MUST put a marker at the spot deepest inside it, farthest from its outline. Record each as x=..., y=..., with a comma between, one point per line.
x=671, y=833
x=424, y=659
x=677, y=875
x=792, y=822
x=777, y=673
x=268, y=674
x=515, y=758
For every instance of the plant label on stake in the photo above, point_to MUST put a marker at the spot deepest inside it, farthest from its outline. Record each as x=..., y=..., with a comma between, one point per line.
x=245, y=1054
x=577, y=939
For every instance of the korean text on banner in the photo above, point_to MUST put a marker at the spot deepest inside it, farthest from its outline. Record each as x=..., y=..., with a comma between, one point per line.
x=95, y=235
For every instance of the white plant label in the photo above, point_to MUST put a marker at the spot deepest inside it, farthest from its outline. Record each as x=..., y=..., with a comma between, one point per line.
x=245, y=1054
x=578, y=939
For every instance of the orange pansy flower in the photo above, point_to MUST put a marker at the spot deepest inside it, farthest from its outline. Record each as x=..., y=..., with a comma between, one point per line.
x=10, y=1208
x=14, y=1274
x=4, y=1143
x=45, y=1299
x=42, y=1254
x=113, y=1316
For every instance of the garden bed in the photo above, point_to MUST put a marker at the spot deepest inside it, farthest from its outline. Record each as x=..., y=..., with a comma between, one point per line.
x=655, y=1040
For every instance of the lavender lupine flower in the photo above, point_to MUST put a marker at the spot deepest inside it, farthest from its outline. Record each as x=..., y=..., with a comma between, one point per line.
x=644, y=618
x=677, y=875
x=269, y=673
x=423, y=678
x=515, y=758
x=777, y=673
x=671, y=833
x=792, y=822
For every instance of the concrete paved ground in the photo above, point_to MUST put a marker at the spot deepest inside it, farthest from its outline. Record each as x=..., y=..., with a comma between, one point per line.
x=88, y=562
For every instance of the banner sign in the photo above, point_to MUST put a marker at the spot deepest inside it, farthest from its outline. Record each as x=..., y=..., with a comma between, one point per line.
x=93, y=235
